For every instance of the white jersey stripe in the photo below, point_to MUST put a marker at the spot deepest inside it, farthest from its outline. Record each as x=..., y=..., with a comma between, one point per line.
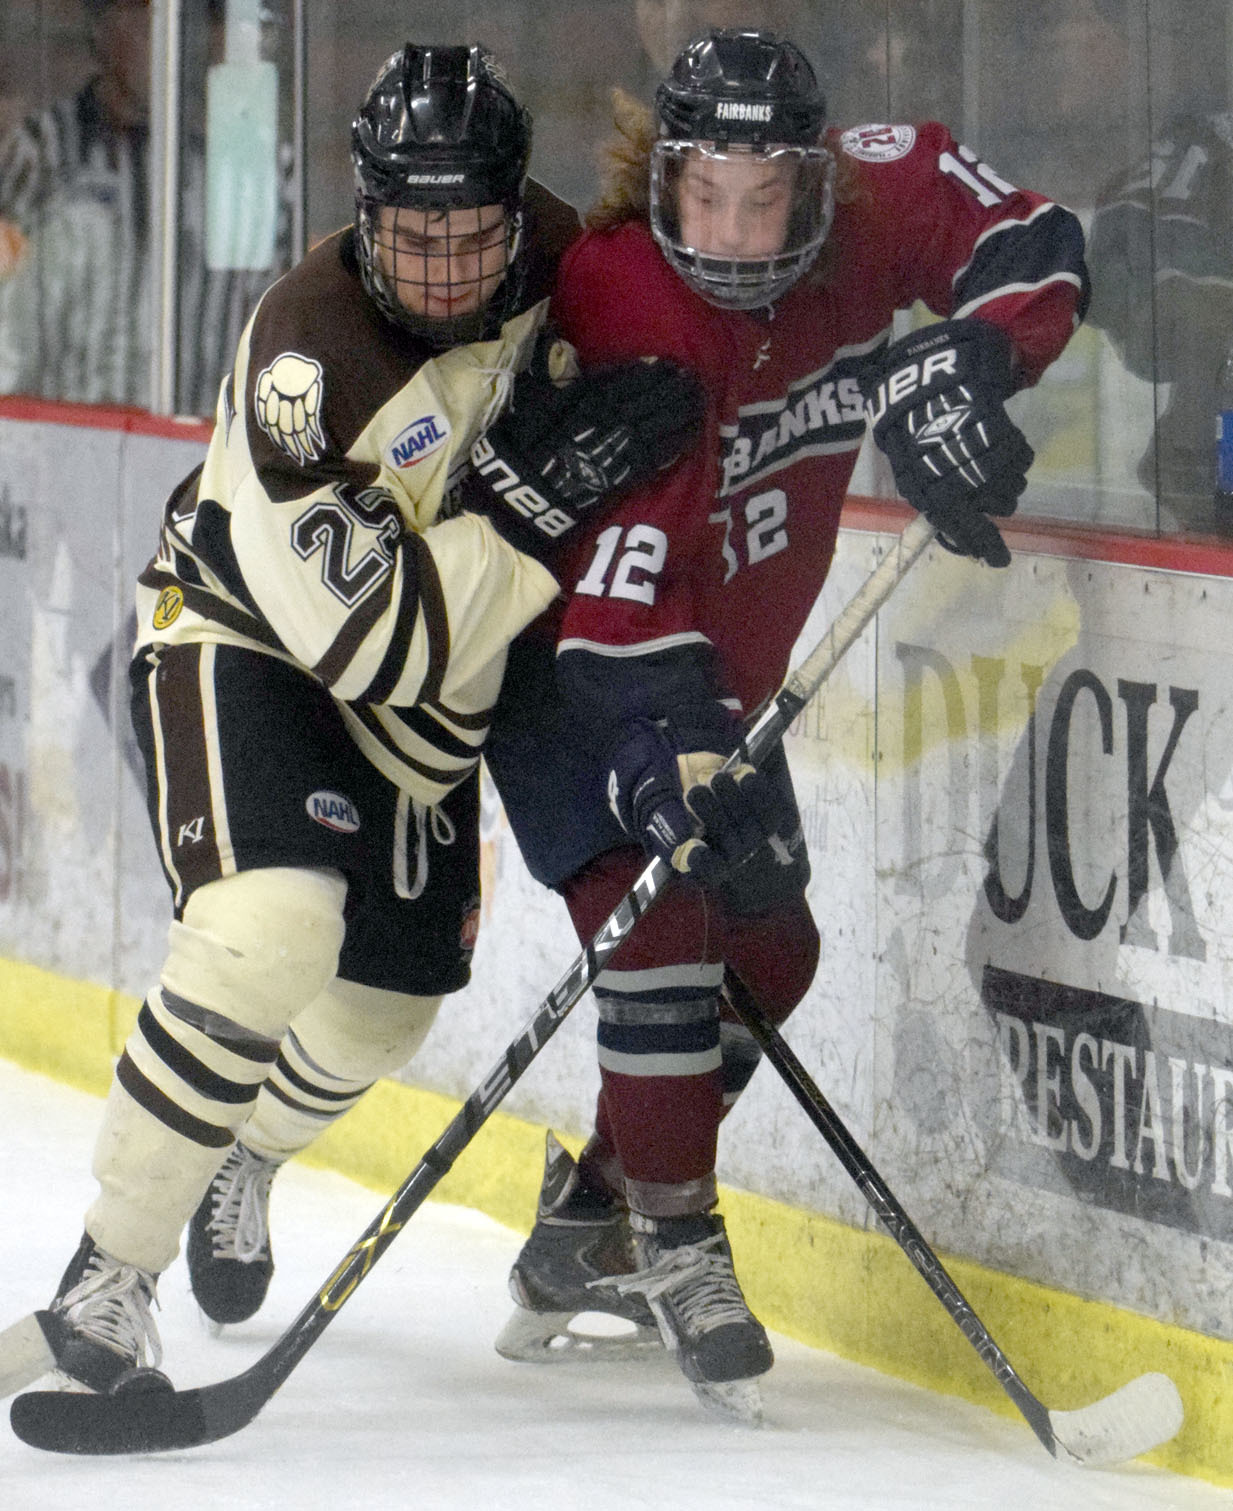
x=698, y=1063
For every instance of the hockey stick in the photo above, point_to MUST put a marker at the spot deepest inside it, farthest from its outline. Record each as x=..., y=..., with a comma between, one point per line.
x=153, y=1419
x=1142, y=1414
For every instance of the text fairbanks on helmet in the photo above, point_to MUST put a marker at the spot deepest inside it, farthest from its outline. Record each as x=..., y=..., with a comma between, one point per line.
x=742, y=188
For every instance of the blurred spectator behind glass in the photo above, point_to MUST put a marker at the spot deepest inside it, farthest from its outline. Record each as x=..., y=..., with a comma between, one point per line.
x=75, y=239
x=1161, y=259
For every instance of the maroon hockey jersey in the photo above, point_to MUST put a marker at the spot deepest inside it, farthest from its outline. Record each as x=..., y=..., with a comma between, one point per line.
x=733, y=547
x=697, y=587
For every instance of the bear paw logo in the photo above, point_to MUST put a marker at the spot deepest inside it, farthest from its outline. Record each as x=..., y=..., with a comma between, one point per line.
x=288, y=406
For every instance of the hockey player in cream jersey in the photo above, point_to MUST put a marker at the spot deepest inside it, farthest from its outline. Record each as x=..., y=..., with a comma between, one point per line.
x=315, y=531
x=399, y=451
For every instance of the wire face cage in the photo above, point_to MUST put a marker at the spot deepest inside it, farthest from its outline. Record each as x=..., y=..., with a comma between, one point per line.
x=741, y=224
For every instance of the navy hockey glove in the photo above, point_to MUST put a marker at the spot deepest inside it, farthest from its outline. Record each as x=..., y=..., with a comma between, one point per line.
x=938, y=413
x=559, y=449
x=707, y=824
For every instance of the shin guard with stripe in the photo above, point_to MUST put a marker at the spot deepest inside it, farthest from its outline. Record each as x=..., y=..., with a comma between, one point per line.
x=252, y=950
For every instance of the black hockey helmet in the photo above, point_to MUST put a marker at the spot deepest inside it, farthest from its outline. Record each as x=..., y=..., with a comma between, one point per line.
x=736, y=91
x=742, y=86
x=440, y=130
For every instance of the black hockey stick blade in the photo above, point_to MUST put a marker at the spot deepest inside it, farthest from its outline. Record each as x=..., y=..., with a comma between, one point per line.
x=134, y=1420
x=149, y=1417
x=1142, y=1414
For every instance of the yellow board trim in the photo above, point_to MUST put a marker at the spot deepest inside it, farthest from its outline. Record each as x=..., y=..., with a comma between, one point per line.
x=837, y=1288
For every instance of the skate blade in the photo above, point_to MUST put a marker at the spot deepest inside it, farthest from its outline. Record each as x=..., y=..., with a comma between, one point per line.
x=211, y=1328
x=738, y=1401
x=25, y=1355
x=556, y=1338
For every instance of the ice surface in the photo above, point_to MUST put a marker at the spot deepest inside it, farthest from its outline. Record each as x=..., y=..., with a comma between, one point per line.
x=403, y=1402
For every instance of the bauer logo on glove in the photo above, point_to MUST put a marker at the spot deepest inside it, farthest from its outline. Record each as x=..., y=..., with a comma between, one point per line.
x=939, y=414
x=521, y=497
x=910, y=379
x=945, y=426
x=561, y=448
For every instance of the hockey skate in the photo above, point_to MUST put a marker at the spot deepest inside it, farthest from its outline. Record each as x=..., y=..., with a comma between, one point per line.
x=563, y=1276
x=685, y=1272
x=98, y=1334
x=229, y=1258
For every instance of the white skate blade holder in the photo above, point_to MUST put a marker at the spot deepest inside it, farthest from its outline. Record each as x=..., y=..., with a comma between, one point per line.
x=1135, y=1419
x=211, y=1328
x=593, y=1338
x=25, y=1355
x=574, y=1338
x=738, y=1401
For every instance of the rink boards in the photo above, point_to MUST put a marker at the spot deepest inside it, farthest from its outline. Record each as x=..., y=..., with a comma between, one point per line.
x=1018, y=795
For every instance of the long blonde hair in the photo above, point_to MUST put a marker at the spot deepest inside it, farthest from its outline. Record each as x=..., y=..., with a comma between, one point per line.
x=625, y=166
x=625, y=177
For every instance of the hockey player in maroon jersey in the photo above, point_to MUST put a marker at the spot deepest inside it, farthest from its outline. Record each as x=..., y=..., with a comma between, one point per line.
x=321, y=637
x=740, y=236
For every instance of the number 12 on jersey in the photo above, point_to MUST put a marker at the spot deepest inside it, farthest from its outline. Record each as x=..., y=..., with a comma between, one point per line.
x=626, y=563
x=979, y=177
x=628, y=559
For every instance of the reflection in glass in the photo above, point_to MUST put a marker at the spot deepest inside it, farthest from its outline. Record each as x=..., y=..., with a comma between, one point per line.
x=76, y=240
x=1118, y=108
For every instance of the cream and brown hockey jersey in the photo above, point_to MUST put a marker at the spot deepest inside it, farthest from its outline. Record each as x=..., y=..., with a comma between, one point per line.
x=317, y=529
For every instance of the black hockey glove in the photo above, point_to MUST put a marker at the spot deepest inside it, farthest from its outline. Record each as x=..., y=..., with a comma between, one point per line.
x=723, y=829
x=938, y=413
x=558, y=450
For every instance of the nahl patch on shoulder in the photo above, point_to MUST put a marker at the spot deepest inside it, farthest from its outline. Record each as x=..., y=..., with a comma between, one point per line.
x=414, y=442
x=878, y=144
